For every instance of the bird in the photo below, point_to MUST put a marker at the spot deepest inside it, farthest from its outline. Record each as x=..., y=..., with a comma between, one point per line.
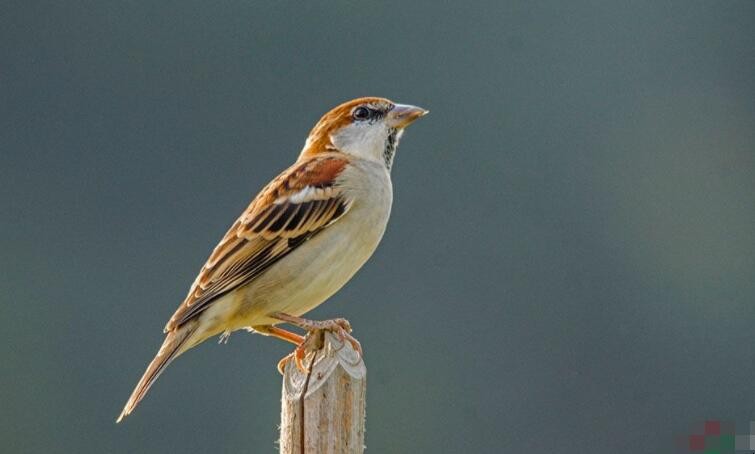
x=300, y=240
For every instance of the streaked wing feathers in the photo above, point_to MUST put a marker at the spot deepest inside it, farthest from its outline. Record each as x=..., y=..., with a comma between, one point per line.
x=295, y=206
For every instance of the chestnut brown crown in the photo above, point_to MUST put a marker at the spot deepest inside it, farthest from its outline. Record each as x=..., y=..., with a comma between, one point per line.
x=362, y=127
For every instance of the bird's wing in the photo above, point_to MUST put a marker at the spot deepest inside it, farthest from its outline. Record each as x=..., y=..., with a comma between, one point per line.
x=296, y=205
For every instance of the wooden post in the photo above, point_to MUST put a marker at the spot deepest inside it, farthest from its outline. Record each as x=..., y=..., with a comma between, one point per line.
x=323, y=411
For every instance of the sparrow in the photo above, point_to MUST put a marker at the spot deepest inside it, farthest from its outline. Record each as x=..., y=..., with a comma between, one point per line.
x=299, y=241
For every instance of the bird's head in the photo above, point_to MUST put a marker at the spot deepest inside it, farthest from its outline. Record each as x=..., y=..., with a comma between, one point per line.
x=367, y=128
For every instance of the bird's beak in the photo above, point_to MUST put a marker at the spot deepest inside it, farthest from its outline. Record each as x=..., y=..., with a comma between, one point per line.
x=403, y=115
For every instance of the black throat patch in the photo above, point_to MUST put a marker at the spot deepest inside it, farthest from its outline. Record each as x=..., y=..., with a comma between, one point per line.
x=390, y=147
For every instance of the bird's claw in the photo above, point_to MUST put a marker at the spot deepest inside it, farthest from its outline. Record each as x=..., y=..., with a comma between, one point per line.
x=314, y=338
x=298, y=356
x=312, y=341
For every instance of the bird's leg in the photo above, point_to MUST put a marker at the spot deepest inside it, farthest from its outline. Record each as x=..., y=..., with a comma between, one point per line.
x=280, y=333
x=341, y=327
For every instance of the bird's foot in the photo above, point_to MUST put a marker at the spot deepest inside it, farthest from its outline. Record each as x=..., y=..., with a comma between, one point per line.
x=313, y=341
x=314, y=338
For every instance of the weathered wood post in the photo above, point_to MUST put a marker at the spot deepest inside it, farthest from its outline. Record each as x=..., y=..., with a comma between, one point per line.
x=323, y=411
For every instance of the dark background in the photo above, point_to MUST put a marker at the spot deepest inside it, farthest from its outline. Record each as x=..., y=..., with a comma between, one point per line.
x=570, y=264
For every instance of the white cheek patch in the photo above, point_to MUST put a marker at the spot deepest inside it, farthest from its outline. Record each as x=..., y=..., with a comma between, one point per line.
x=363, y=140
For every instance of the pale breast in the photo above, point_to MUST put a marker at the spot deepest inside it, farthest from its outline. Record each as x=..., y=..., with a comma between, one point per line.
x=313, y=272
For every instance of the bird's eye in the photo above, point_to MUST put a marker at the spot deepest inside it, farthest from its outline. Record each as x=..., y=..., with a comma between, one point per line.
x=361, y=113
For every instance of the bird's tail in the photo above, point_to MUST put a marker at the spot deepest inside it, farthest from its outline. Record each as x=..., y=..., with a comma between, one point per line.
x=175, y=343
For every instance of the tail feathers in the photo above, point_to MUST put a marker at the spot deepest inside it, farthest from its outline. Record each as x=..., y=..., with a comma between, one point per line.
x=174, y=344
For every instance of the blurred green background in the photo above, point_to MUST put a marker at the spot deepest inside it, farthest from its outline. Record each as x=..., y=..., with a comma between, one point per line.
x=570, y=264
